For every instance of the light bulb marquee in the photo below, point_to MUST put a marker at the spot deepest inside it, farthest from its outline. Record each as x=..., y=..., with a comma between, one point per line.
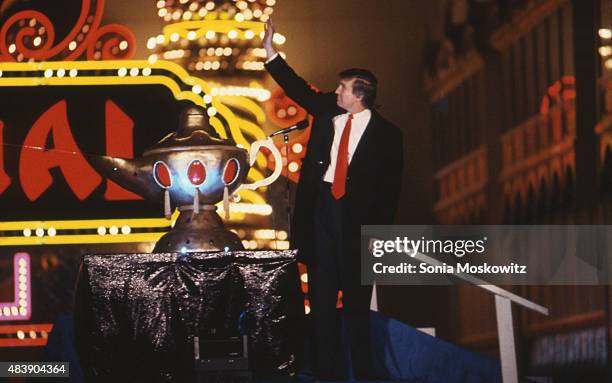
x=214, y=37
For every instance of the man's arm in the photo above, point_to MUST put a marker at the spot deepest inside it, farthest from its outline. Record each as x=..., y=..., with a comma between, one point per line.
x=294, y=86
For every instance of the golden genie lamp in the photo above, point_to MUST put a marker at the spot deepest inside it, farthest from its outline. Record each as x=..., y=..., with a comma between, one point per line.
x=192, y=169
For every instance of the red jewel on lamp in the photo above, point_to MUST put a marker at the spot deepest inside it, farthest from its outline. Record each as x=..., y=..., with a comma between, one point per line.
x=163, y=177
x=230, y=174
x=231, y=171
x=196, y=173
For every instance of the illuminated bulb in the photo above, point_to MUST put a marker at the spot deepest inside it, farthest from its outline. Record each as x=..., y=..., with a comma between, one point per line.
x=174, y=37
x=176, y=15
x=239, y=17
x=270, y=2
x=23, y=270
x=151, y=42
x=232, y=34
x=40, y=232
x=161, y=4
x=191, y=35
x=608, y=64
x=48, y=73
x=126, y=230
x=51, y=232
x=72, y=46
x=162, y=12
x=248, y=15
x=307, y=310
x=304, y=277
x=219, y=51
x=293, y=167
x=73, y=72
x=14, y=310
x=134, y=72
x=216, y=65
x=27, y=232
x=122, y=72
x=23, y=287
x=297, y=148
x=257, y=13
x=20, y=334
x=7, y=311
x=605, y=51
x=160, y=39
x=207, y=65
x=199, y=65
x=211, y=111
x=0, y=73
x=114, y=230
x=152, y=59
x=210, y=5
x=279, y=39
x=207, y=99
x=101, y=230
x=23, y=303
x=37, y=41
x=605, y=33
x=264, y=18
x=227, y=51
x=32, y=334
x=210, y=34
x=249, y=34
x=123, y=45
x=197, y=89
x=193, y=6
x=12, y=48
x=242, y=5
x=202, y=12
x=187, y=15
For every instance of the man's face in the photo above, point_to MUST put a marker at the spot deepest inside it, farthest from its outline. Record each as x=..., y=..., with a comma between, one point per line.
x=345, y=97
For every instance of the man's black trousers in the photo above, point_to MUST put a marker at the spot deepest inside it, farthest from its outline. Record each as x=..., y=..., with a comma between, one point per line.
x=336, y=266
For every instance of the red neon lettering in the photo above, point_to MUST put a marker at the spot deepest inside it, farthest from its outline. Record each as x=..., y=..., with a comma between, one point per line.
x=35, y=160
x=119, y=143
x=5, y=181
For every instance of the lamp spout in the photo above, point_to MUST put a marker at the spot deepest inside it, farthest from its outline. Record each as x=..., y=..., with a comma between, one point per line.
x=134, y=175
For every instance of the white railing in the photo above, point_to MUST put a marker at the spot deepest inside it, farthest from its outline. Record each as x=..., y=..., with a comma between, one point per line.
x=503, y=309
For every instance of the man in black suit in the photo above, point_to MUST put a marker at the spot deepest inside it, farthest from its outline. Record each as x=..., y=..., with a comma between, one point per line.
x=350, y=176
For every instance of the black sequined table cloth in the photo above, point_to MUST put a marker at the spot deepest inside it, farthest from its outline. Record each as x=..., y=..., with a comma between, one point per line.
x=136, y=314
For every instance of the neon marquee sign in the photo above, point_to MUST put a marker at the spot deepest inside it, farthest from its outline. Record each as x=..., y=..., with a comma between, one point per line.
x=21, y=306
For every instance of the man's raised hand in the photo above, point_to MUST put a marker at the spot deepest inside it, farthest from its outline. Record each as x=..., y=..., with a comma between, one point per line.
x=267, y=39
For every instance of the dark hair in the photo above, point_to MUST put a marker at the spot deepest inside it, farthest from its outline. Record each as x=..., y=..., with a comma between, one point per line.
x=364, y=85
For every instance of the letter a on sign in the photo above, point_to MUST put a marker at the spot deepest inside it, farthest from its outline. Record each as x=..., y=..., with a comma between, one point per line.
x=5, y=181
x=36, y=160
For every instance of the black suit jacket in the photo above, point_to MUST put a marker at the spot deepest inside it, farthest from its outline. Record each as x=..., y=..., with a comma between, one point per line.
x=374, y=174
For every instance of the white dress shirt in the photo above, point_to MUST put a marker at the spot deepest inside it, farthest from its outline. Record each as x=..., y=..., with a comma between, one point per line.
x=358, y=126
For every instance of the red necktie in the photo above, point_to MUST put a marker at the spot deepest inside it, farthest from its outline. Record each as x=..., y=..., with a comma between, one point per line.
x=338, y=188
